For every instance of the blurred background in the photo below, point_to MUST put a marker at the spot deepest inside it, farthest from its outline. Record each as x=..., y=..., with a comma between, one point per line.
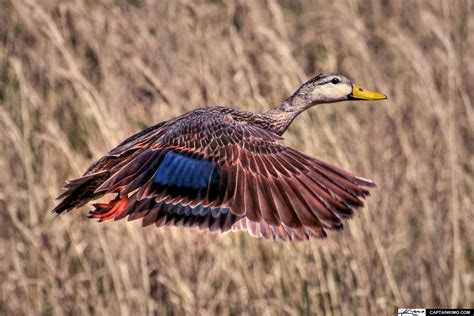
x=77, y=77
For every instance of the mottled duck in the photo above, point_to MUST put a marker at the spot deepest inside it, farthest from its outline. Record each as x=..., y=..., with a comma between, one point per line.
x=223, y=169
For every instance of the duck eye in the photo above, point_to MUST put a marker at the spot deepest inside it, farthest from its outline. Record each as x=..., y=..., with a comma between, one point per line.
x=335, y=80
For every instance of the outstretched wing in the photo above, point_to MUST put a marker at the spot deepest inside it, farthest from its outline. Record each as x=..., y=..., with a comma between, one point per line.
x=205, y=164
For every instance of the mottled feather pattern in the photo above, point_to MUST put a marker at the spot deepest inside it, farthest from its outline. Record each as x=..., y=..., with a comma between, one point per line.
x=219, y=169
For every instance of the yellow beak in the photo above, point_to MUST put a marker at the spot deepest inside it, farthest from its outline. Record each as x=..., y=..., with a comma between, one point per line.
x=359, y=93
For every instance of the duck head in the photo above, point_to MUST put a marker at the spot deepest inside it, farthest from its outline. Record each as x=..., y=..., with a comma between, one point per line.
x=328, y=88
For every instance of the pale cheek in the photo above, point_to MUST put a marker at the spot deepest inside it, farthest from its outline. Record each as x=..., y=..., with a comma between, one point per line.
x=342, y=90
x=336, y=92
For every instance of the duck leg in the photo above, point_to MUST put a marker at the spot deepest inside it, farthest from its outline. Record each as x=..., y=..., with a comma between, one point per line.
x=106, y=211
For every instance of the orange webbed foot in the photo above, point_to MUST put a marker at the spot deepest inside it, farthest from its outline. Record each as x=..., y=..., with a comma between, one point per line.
x=106, y=211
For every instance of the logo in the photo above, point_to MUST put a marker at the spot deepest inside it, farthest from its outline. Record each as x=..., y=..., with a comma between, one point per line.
x=411, y=312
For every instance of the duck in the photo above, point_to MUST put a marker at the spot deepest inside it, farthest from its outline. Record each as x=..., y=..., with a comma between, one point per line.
x=223, y=170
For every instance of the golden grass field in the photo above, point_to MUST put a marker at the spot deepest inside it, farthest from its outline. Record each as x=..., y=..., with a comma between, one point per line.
x=77, y=77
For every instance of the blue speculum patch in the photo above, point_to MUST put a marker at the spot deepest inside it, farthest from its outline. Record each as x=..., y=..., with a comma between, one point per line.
x=186, y=171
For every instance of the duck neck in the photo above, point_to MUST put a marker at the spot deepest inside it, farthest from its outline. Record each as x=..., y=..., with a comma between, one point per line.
x=279, y=118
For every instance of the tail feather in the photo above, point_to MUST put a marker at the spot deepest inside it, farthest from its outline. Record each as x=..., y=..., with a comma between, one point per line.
x=80, y=191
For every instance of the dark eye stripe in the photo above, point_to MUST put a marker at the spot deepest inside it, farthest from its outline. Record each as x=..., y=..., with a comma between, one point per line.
x=325, y=82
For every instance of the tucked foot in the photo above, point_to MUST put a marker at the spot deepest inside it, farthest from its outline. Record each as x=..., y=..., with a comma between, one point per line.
x=106, y=211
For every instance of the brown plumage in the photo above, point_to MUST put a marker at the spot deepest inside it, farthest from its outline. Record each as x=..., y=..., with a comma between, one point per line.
x=223, y=169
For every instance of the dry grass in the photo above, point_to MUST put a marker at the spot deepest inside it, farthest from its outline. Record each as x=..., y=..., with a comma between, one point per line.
x=76, y=77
